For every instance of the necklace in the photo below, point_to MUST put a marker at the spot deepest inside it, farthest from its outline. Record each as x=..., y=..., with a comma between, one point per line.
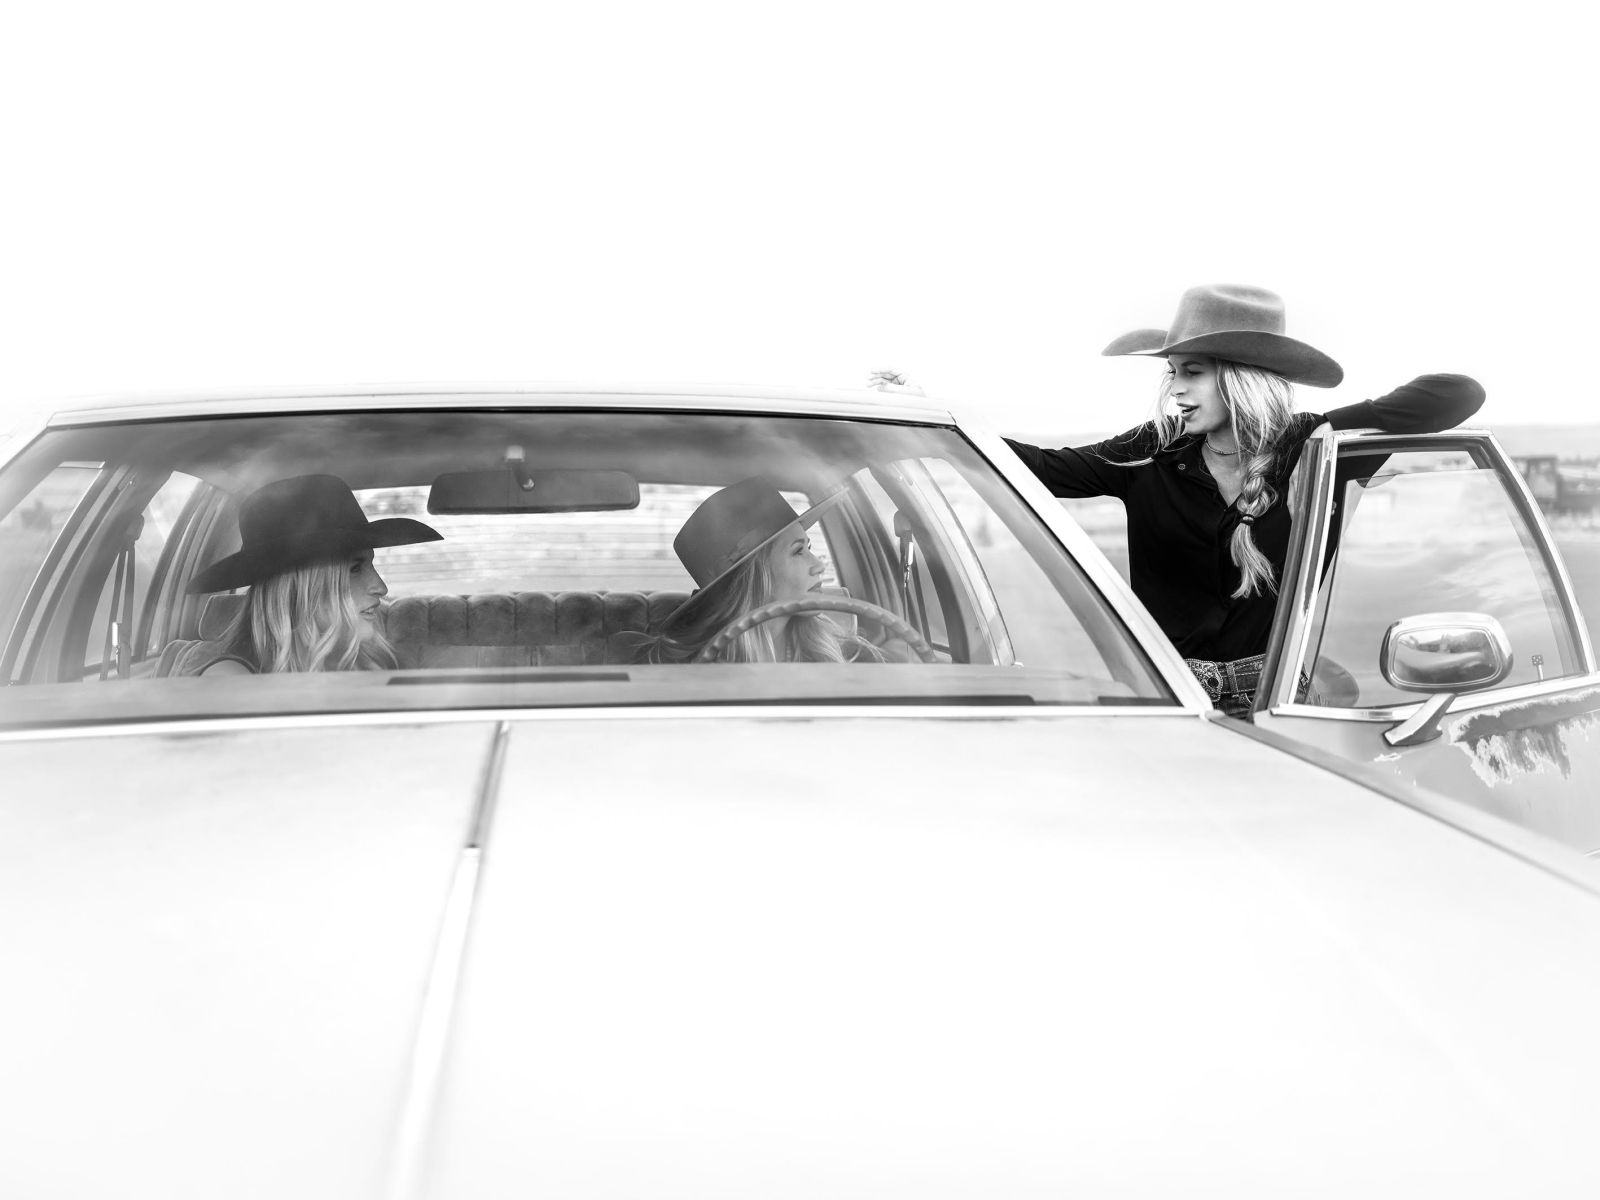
x=1221, y=453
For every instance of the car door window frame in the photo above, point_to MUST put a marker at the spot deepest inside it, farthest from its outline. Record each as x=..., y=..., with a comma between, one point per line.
x=1313, y=499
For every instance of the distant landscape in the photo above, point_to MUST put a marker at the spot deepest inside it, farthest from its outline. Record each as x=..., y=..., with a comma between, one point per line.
x=1577, y=536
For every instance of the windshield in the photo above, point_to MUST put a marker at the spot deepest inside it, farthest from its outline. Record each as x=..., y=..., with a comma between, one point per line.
x=531, y=558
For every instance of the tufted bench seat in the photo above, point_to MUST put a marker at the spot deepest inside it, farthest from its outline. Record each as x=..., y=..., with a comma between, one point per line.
x=521, y=629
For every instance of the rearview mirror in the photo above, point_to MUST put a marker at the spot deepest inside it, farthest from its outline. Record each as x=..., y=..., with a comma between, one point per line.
x=518, y=490
x=1445, y=652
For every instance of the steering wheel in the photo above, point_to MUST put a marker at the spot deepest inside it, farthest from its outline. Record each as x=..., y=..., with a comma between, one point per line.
x=787, y=608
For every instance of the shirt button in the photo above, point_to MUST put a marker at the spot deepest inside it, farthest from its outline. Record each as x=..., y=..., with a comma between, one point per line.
x=1183, y=466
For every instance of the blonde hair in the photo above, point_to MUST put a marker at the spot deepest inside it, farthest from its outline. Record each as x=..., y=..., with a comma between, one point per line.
x=307, y=620
x=807, y=637
x=1260, y=410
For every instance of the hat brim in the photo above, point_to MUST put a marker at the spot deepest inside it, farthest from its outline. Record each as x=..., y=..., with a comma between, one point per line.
x=1294, y=360
x=714, y=587
x=277, y=555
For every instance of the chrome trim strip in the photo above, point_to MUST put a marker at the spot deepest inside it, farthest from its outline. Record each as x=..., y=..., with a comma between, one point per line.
x=425, y=1072
x=1371, y=433
x=210, y=726
x=1096, y=566
x=1301, y=601
x=856, y=405
x=1535, y=849
x=1468, y=702
x=1369, y=715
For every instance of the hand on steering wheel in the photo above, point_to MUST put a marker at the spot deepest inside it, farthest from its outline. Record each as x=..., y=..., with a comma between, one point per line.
x=787, y=608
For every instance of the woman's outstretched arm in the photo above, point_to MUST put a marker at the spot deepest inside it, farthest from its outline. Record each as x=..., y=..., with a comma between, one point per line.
x=1076, y=471
x=1428, y=404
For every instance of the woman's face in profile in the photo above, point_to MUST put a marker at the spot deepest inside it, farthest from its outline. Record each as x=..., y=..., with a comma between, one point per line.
x=367, y=588
x=1195, y=393
x=795, y=569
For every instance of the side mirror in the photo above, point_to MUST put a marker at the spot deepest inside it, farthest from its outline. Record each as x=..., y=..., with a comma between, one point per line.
x=1445, y=652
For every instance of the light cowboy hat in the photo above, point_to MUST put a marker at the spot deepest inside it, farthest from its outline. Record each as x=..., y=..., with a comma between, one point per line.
x=1239, y=323
x=300, y=522
x=732, y=526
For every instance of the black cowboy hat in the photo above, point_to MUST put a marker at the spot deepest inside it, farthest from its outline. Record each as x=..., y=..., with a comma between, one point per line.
x=1240, y=323
x=299, y=522
x=732, y=526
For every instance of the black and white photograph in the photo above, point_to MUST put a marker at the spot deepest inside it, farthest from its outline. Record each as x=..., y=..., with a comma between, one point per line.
x=834, y=601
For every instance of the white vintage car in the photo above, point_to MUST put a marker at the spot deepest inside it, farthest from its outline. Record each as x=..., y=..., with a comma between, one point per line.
x=1021, y=916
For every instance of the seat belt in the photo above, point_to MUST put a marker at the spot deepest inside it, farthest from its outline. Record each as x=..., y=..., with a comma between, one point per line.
x=908, y=567
x=118, y=651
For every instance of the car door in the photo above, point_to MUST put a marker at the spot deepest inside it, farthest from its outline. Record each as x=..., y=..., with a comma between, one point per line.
x=1427, y=628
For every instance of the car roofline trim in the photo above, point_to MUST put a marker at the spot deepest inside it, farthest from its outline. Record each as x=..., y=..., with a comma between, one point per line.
x=860, y=405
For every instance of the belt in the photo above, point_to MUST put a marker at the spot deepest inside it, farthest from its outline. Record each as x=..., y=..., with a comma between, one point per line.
x=1230, y=685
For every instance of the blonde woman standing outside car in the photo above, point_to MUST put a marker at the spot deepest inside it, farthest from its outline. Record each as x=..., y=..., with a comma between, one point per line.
x=1204, y=482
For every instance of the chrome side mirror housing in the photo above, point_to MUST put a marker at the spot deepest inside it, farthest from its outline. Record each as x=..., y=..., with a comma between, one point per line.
x=1445, y=652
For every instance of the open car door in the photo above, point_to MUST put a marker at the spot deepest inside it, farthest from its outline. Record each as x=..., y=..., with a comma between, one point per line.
x=1427, y=627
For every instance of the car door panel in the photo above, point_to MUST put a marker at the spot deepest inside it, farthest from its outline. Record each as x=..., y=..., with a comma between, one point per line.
x=1393, y=527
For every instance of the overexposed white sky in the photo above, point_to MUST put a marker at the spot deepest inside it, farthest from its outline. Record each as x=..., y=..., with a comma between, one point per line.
x=203, y=194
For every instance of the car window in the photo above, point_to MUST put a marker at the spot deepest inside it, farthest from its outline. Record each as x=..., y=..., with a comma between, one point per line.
x=34, y=526
x=919, y=600
x=522, y=583
x=133, y=589
x=1429, y=531
x=1036, y=631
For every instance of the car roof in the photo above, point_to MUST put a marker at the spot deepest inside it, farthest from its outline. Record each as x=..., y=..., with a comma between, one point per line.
x=850, y=403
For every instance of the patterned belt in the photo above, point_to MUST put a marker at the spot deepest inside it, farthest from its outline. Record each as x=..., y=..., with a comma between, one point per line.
x=1230, y=685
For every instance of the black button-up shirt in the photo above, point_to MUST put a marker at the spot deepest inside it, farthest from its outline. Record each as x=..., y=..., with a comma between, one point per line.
x=1179, y=527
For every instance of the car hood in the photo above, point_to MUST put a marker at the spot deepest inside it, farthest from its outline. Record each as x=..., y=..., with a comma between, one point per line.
x=772, y=955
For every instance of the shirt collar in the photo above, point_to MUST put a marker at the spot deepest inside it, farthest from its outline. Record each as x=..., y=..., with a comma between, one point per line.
x=1186, y=446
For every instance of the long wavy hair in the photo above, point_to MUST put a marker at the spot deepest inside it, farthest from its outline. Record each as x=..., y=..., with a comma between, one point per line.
x=807, y=637
x=1260, y=409
x=306, y=620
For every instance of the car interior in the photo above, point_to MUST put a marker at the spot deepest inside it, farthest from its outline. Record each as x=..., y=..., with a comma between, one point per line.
x=557, y=537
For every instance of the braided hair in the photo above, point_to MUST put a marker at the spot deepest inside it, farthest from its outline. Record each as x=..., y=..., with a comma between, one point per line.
x=1259, y=411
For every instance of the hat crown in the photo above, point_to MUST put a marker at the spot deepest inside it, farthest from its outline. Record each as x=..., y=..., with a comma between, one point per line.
x=1226, y=308
x=299, y=522
x=728, y=525
x=302, y=505
x=1239, y=323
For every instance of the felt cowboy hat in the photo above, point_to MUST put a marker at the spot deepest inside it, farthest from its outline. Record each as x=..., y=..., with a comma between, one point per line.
x=1237, y=322
x=732, y=526
x=299, y=522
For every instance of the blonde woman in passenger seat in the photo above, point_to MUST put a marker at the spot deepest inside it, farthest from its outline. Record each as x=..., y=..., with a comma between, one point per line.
x=314, y=597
